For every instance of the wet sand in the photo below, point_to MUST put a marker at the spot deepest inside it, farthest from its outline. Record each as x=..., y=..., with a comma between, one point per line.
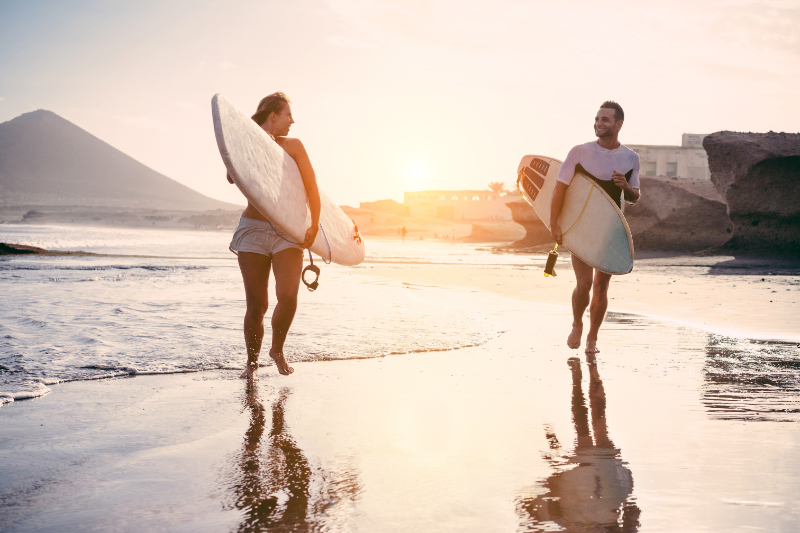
x=757, y=299
x=672, y=429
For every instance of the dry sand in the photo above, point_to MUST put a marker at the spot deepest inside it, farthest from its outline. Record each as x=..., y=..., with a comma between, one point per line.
x=490, y=438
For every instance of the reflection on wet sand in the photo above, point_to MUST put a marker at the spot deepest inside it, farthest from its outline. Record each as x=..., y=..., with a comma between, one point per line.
x=752, y=380
x=590, y=490
x=273, y=483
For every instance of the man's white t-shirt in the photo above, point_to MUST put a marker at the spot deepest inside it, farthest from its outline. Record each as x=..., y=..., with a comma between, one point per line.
x=601, y=163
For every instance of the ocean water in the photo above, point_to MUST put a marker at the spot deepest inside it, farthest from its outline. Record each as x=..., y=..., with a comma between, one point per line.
x=166, y=301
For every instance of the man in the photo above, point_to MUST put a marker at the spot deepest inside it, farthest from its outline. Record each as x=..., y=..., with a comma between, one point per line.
x=616, y=169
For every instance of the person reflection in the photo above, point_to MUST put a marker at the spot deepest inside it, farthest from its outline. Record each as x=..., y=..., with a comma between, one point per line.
x=590, y=490
x=273, y=482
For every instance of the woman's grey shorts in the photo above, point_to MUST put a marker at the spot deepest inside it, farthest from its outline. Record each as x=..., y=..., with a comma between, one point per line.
x=260, y=237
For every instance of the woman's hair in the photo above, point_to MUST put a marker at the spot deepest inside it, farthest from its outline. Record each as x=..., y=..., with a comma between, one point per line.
x=272, y=103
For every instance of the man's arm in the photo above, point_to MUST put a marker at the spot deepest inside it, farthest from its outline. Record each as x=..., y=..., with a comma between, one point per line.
x=565, y=174
x=555, y=210
x=631, y=194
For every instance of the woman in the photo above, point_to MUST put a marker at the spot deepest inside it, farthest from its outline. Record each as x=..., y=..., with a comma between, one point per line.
x=260, y=246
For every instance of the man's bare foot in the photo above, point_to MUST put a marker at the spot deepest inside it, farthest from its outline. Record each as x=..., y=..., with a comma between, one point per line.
x=574, y=339
x=591, y=347
x=280, y=362
x=249, y=371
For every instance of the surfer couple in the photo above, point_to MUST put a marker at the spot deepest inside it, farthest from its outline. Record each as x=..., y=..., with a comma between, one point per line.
x=603, y=159
x=260, y=246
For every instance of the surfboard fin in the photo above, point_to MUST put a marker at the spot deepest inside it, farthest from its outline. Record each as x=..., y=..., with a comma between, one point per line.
x=357, y=236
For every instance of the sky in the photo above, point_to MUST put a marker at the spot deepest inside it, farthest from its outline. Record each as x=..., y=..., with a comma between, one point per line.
x=393, y=96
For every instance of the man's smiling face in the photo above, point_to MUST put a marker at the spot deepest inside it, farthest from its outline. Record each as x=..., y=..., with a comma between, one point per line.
x=605, y=123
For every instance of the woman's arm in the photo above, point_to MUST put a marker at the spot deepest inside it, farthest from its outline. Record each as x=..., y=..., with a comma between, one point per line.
x=296, y=149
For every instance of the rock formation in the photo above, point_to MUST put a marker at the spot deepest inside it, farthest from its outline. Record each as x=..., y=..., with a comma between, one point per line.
x=759, y=176
x=536, y=233
x=674, y=215
x=21, y=249
x=678, y=215
x=494, y=231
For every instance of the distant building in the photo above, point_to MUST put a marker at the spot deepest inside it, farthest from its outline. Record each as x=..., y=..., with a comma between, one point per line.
x=385, y=206
x=457, y=205
x=689, y=160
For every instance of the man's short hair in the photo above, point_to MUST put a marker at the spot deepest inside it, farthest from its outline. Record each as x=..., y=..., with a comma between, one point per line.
x=619, y=114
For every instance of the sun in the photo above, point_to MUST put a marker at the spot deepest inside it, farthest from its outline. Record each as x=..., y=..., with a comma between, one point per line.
x=416, y=175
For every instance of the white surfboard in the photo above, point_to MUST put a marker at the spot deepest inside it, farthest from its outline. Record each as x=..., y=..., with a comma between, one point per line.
x=270, y=179
x=594, y=228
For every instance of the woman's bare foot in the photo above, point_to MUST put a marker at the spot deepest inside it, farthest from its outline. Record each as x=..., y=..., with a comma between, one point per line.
x=249, y=371
x=574, y=339
x=280, y=362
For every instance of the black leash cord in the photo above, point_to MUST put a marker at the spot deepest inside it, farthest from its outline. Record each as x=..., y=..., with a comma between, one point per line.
x=313, y=268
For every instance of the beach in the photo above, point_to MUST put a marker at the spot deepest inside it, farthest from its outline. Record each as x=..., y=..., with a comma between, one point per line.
x=687, y=420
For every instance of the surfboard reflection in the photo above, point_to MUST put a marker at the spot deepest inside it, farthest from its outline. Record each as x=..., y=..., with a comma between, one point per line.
x=274, y=484
x=589, y=490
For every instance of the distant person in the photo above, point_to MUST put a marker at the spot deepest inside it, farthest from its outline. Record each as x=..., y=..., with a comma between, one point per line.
x=403, y=234
x=607, y=161
x=261, y=246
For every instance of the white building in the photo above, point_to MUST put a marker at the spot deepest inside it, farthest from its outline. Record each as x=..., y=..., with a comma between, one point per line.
x=689, y=160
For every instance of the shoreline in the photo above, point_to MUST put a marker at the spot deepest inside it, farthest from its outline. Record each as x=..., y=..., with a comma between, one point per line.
x=673, y=296
x=683, y=290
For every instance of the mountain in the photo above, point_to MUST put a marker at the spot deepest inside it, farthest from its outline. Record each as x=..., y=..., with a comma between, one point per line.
x=46, y=160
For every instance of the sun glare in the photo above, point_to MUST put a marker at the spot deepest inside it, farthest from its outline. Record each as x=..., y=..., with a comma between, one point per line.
x=416, y=175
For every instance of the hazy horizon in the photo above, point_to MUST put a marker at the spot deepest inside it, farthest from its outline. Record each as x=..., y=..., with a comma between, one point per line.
x=404, y=95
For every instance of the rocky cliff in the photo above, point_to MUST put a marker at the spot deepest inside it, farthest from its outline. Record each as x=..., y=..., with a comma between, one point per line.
x=536, y=233
x=675, y=215
x=759, y=176
x=678, y=215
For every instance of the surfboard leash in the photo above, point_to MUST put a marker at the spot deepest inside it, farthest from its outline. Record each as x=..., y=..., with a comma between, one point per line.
x=313, y=268
x=549, y=268
x=330, y=253
x=312, y=286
